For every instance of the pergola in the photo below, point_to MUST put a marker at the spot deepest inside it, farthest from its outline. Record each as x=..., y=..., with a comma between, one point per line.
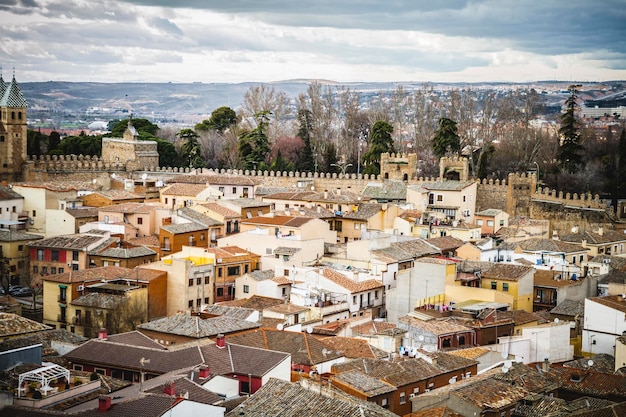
x=44, y=375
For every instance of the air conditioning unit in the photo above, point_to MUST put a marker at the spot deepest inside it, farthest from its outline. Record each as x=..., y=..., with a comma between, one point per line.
x=31, y=220
x=81, y=288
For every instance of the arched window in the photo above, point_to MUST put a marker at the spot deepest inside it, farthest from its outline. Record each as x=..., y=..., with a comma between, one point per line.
x=405, y=177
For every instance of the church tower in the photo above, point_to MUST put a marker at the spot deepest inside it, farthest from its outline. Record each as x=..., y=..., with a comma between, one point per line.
x=13, y=130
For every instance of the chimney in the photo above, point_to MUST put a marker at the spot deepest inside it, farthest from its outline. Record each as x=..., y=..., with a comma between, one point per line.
x=169, y=388
x=325, y=194
x=104, y=403
x=221, y=341
x=103, y=334
x=545, y=366
x=601, y=231
x=204, y=372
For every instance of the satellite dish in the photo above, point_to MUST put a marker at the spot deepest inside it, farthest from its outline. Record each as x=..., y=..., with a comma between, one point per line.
x=280, y=326
x=590, y=363
x=556, y=320
x=93, y=181
x=309, y=330
x=504, y=355
x=421, y=338
x=144, y=176
x=505, y=369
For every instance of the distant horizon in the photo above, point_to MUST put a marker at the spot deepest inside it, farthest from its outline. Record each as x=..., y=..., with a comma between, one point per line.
x=321, y=81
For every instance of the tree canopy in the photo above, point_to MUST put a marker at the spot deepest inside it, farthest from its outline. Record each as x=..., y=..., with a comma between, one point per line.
x=221, y=120
x=380, y=141
x=446, y=139
x=570, y=153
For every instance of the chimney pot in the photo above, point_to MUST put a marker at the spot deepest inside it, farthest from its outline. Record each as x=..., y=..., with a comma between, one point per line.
x=103, y=334
x=205, y=372
x=169, y=388
x=104, y=403
x=221, y=341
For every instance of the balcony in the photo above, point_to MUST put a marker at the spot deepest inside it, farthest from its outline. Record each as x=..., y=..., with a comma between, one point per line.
x=61, y=318
x=62, y=299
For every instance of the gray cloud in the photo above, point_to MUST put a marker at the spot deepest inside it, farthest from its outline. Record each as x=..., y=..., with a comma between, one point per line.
x=412, y=37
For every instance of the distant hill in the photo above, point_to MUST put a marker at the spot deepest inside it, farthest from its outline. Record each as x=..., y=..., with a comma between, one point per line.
x=193, y=102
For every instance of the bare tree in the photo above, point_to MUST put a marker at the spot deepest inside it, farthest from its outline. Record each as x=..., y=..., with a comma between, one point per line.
x=265, y=98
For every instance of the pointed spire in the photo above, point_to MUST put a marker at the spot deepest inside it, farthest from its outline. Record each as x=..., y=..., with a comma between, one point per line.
x=12, y=95
x=3, y=85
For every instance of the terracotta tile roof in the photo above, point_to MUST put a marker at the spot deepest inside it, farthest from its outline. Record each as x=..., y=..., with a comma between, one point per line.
x=385, y=191
x=602, y=362
x=435, y=412
x=17, y=236
x=443, y=185
x=615, y=302
x=304, y=348
x=519, y=317
x=44, y=337
x=595, y=237
x=128, y=208
x=296, y=195
x=446, y=243
x=491, y=394
x=287, y=221
x=469, y=353
x=353, y=348
x=116, y=195
x=221, y=210
x=335, y=196
x=77, y=241
x=152, y=241
x=184, y=189
x=287, y=309
x=135, y=338
x=377, y=328
x=7, y=193
x=349, y=284
x=435, y=326
x=570, y=308
x=60, y=186
x=552, y=279
x=364, y=212
x=558, y=407
x=99, y=300
x=146, y=406
x=368, y=385
x=195, y=327
x=405, y=250
x=281, y=280
x=191, y=390
x=507, y=272
x=238, y=359
x=256, y=302
x=286, y=399
x=197, y=217
x=244, y=203
x=595, y=384
x=549, y=245
x=488, y=212
x=240, y=313
x=105, y=272
x=184, y=228
x=397, y=373
x=125, y=253
x=12, y=325
x=83, y=212
x=214, y=179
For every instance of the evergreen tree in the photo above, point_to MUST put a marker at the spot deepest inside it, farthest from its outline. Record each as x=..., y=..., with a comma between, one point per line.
x=570, y=153
x=305, y=161
x=190, y=149
x=380, y=141
x=221, y=120
x=280, y=164
x=616, y=172
x=53, y=141
x=446, y=139
x=329, y=158
x=254, y=146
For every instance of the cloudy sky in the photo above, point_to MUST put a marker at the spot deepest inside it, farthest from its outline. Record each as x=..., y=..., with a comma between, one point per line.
x=339, y=40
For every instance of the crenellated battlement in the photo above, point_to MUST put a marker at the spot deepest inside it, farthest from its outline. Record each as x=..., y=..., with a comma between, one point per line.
x=583, y=200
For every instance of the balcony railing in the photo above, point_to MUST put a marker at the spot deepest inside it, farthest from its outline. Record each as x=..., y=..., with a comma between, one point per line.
x=62, y=299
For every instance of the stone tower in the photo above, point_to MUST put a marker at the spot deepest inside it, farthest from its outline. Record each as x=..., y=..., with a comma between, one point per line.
x=13, y=130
